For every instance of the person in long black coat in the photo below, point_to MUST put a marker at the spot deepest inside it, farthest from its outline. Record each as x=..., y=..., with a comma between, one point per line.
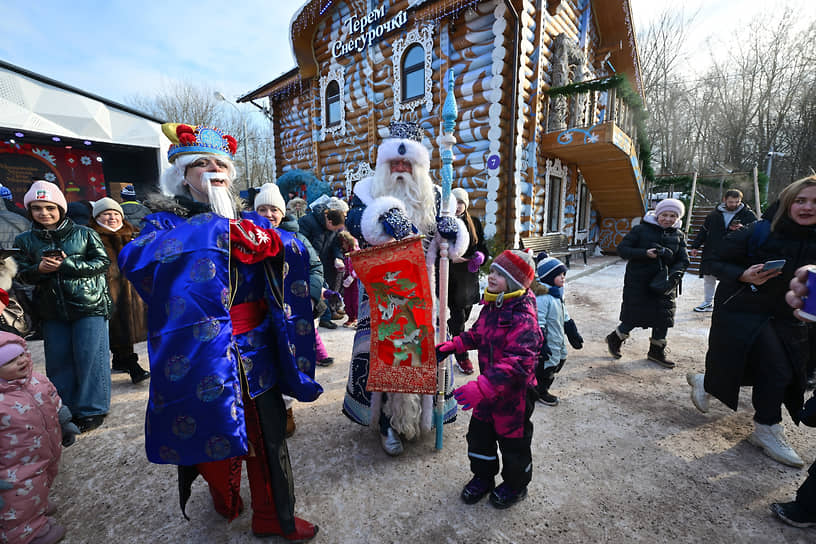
x=463, y=276
x=657, y=241
x=754, y=339
x=730, y=215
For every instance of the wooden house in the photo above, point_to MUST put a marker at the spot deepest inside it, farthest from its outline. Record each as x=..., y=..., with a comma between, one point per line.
x=533, y=162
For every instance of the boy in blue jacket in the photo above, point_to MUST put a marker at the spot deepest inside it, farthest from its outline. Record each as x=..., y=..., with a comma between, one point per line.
x=556, y=325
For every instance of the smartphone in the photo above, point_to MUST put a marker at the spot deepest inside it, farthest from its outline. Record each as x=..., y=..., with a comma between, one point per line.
x=52, y=253
x=773, y=265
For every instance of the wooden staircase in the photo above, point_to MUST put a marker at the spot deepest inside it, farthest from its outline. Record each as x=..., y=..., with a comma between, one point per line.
x=698, y=215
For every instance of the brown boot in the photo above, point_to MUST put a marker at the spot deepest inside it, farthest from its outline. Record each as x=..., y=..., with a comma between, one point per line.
x=290, y=423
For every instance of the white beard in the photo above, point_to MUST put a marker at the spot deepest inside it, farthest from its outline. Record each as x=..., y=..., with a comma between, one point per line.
x=415, y=192
x=221, y=198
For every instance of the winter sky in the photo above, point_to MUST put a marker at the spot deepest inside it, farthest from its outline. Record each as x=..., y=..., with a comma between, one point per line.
x=118, y=48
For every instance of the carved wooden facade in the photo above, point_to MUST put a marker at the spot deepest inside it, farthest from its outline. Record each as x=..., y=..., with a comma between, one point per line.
x=505, y=55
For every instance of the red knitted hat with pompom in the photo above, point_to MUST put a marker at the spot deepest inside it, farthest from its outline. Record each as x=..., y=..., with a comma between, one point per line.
x=517, y=266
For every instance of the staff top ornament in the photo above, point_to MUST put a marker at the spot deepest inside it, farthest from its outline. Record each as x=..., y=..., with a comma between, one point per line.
x=188, y=139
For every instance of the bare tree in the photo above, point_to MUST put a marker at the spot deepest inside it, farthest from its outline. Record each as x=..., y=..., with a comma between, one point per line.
x=184, y=102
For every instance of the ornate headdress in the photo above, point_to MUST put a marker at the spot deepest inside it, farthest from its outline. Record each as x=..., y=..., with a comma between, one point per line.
x=198, y=139
x=406, y=130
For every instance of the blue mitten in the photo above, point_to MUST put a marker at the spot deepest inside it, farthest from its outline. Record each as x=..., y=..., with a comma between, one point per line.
x=396, y=224
x=446, y=226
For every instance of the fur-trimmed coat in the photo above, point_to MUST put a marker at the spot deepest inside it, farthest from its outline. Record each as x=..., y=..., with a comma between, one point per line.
x=128, y=322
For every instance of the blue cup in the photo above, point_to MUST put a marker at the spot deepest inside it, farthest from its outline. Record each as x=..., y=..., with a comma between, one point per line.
x=808, y=311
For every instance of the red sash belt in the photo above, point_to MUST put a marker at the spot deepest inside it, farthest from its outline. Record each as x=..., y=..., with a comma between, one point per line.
x=248, y=315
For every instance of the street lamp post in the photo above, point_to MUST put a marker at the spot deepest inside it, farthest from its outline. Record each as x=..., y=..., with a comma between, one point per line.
x=221, y=97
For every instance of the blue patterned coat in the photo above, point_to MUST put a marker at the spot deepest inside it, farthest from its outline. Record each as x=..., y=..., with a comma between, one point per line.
x=183, y=270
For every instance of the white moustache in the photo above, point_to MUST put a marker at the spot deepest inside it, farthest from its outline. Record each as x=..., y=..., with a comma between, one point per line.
x=209, y=177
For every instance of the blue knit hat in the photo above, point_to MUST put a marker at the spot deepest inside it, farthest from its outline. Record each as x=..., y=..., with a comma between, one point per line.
x=548, y=269
x=5, y=193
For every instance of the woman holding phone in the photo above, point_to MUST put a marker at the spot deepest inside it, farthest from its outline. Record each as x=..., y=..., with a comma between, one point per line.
x=66, y=263
x=754, y=338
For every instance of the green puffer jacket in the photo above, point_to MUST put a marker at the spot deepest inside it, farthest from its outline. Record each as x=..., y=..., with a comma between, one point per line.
x=79, y=288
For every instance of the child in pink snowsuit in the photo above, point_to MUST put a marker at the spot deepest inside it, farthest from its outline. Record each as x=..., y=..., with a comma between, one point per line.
x=30, y=442
x=508, y=340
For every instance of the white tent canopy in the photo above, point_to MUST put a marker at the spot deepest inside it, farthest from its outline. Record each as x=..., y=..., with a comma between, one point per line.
x=30, y=102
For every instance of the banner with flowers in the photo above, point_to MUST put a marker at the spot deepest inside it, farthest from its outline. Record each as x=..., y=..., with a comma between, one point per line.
x=395, y=277
x=78, y=172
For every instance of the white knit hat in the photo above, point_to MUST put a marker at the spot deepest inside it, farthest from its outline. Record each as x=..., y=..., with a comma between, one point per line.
x=461, y=195
x=270, y=195
x=105, y=204
x=670, y=205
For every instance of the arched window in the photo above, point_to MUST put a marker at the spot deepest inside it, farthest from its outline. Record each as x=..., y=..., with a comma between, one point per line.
x=413, y=73
x=332, y=104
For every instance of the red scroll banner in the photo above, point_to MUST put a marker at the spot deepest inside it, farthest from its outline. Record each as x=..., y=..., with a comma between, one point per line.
x=403, y=359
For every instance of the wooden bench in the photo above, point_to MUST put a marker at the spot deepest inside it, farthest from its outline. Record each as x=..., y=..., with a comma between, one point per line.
x=556, y=245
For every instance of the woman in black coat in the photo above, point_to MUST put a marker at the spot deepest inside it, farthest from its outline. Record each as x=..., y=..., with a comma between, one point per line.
x=463, y=277
x=657, y=241
x=754, y=338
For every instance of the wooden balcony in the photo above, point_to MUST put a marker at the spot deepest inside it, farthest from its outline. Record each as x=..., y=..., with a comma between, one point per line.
x=596, y=131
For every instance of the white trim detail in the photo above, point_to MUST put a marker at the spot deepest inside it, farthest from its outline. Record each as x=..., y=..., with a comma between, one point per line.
x=494, y=96
x=338, y=74
x=556, y=169
x=424, y=37
x=352, y=176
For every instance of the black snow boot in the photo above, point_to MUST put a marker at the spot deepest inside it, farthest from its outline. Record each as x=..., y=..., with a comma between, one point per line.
x=131, y=365
x=657, y=353
x=614, y=343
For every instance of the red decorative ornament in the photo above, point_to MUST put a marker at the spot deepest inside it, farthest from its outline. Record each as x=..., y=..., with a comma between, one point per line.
x=233, y=145
x=185, y=129
x=186, y=138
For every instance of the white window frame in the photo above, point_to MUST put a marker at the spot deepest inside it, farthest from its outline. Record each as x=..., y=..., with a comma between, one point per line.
x=424, y=37
x=555, y=169
x=338, y=74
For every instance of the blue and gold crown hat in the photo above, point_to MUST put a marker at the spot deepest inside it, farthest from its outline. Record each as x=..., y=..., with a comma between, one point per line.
x=188, y=139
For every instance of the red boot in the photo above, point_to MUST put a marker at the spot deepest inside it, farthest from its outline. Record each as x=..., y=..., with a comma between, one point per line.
x=224, y=480
x=264, y=514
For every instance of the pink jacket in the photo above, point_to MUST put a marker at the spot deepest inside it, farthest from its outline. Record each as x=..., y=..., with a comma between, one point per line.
x=508, y=339
x=30, y=442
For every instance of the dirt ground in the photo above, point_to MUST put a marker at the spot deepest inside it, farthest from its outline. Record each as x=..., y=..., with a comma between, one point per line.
x=624, y=457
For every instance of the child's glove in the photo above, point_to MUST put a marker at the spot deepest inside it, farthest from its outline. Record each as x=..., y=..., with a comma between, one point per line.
x=69, y=429
x=472, y=393
x=348, y=281
x=444, y=349
x=545, y=352
x=4, y=486
x=571, y=330
x=475, y=262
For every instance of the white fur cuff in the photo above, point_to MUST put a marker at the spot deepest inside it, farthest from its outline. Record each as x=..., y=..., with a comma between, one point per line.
x=370, y=224
x=460, y=245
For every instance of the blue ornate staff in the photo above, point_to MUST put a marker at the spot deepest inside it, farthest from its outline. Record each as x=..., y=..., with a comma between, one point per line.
x=445, y=141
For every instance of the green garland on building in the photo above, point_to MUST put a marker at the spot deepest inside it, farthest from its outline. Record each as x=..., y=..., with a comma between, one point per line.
x=631, y=98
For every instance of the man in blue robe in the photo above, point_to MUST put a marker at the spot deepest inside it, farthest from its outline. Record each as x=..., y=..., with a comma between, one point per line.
x=213, y=281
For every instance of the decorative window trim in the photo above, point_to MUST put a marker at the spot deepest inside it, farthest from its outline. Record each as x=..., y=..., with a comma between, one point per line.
x=555, y=169
x=424, y=37
x=338, y=74
x=363, y=171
